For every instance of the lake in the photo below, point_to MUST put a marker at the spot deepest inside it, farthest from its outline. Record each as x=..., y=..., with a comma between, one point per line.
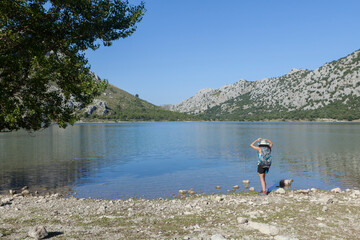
x=151, y=160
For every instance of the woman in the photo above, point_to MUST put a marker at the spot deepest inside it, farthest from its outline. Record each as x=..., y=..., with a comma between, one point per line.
x=264, y=160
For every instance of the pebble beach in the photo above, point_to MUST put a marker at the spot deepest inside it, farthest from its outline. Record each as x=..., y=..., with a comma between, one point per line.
x=282, y=215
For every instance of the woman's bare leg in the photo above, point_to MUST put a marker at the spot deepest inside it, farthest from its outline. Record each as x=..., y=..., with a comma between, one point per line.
x=262, y=181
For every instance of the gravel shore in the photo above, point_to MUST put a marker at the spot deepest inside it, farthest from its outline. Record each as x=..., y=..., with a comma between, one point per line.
x=281, y=215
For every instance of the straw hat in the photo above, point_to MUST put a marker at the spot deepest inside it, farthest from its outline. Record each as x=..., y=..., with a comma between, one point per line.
x=264, y=143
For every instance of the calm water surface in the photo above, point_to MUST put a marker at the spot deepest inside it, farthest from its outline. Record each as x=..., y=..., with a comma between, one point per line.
x=157, y=159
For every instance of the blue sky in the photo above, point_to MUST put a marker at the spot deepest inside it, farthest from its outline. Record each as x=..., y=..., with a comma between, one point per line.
x=182, y=46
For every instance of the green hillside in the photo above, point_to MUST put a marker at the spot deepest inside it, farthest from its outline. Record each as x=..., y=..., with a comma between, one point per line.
x=119, y=105
x=347, y=108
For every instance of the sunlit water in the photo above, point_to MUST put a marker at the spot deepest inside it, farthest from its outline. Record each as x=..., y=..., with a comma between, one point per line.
x=154, y=160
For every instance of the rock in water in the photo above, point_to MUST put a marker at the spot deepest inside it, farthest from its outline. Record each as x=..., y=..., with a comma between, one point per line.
x=245, y=182
x=38, y=232
x=218, y=187
x=182, y=192
x=191, y=192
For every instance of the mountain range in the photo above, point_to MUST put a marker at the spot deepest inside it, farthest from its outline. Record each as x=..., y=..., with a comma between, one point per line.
x=330, y=91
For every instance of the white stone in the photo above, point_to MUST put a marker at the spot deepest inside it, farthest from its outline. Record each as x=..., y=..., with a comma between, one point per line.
x=219, y=199
x=217, y=237
x=282, y=237
x=280, y=191
x=322, y=225
x=336, y=190
x=242, y=220
x=101, y=210
x=264, y=228
x=356, y=192
x=325, y=199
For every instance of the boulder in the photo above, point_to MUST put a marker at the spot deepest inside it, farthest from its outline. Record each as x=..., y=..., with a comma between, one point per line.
x=38, y=232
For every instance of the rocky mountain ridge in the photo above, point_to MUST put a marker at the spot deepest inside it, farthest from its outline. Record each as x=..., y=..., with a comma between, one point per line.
x=300, y=89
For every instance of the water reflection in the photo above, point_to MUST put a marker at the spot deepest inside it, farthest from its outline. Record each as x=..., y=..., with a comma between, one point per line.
x=158, y=159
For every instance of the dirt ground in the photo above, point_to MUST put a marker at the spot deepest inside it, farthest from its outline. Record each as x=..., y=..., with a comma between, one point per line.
x=301, y=214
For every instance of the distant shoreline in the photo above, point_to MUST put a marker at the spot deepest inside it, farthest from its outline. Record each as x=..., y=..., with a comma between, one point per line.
x=321, y=120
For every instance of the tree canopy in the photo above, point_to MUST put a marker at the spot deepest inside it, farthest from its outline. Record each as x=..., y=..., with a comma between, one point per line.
x=44, y=75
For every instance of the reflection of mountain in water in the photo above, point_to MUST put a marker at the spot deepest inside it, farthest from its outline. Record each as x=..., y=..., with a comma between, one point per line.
x=131, y=157
x=330, y=150
x=54, y=158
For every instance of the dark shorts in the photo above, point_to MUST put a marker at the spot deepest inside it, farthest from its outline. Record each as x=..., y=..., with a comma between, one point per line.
x=262, y=170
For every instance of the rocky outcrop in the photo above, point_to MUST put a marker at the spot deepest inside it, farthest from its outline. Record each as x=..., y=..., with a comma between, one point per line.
x=207, y=98
x=98, y=107
x=299, y=89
